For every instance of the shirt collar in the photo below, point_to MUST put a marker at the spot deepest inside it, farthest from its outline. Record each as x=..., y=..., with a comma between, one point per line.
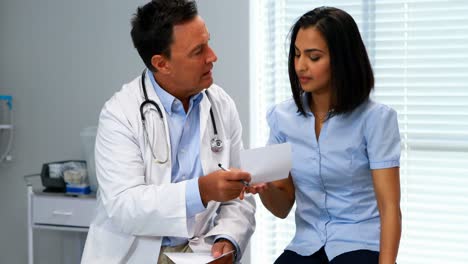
x=167, y=99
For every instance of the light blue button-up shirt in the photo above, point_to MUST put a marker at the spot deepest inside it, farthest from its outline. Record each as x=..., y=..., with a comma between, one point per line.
x=335, y=200
x=184, y=133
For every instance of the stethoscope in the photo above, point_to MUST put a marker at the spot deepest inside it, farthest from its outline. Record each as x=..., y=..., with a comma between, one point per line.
x=216, y=143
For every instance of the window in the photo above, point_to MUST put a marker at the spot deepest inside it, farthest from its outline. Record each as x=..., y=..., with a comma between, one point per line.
x=419, y=52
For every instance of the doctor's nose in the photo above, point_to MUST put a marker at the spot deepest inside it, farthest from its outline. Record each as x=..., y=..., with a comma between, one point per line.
x=211, y=56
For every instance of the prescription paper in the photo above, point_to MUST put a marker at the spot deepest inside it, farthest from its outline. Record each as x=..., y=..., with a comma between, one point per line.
x=268, y=163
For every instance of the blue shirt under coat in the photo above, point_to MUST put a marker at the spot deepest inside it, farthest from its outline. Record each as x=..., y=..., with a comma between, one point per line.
x=184, y=133
x=335, y=200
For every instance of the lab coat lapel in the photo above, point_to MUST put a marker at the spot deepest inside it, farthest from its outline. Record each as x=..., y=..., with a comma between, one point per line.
x=205, y=106
x=159, y=173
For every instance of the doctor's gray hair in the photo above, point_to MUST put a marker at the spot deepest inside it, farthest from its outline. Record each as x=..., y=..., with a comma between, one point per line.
x=153, y=23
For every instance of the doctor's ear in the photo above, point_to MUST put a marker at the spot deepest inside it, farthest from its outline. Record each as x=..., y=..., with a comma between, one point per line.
x=160, y=63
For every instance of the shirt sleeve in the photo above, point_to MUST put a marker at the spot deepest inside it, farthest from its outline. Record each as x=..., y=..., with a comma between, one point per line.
x=383, y=138
x=272, y=120
x=193, y=199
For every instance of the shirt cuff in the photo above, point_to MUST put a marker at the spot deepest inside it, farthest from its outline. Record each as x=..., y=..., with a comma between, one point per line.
x=237, y=254
x=193, y=199
x=384, y=164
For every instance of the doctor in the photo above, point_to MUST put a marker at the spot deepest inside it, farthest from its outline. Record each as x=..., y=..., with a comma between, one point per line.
x=160, y=140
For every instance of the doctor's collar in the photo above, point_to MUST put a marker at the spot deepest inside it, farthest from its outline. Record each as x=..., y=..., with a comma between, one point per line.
x=167, y=99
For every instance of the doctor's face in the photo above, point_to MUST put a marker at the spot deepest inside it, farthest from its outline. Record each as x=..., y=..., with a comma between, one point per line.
x=192, y=58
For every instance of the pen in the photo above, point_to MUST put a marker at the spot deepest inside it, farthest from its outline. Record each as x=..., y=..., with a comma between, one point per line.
x=224, y=169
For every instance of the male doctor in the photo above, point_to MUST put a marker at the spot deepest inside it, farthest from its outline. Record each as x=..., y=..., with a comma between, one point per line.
x=160, y=188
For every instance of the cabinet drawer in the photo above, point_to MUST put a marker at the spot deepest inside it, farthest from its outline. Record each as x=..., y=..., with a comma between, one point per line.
x=67, y=211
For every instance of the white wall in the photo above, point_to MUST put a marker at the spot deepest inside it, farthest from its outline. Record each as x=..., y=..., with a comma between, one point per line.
x=228, y=23
x=61, y=60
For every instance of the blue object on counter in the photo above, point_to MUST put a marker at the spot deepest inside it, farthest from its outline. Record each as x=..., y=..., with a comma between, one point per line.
x=78, y=190
x=9, y=100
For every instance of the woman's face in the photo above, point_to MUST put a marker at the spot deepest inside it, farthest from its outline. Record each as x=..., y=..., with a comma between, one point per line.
x=312, y=61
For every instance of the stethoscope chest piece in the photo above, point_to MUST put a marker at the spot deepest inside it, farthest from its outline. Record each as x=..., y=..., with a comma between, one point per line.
x=216, y=144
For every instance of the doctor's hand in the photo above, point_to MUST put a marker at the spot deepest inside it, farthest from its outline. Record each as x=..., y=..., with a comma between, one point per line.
x=222, y=186
x=222, y=246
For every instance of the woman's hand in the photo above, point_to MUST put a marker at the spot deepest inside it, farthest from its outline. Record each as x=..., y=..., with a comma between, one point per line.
x=254, y=189
x=258, y=188
x=277, y=196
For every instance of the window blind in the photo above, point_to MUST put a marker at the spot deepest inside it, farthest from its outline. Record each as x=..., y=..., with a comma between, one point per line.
x=419, y=53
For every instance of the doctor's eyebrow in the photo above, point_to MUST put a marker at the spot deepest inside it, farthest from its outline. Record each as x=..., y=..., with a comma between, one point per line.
x=200, y=46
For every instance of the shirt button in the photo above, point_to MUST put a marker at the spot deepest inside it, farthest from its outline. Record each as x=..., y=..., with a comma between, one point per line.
x=182, y=151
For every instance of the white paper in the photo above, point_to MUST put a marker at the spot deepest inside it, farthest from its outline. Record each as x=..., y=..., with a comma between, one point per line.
x=267, y=164
x=194, y=258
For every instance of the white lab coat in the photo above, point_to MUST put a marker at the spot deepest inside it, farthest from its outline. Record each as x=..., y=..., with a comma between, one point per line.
x=137, y=203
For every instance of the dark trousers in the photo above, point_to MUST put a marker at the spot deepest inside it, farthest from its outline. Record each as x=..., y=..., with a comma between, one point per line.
x=319, y=257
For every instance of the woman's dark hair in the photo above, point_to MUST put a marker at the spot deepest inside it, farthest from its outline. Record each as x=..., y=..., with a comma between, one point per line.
x=352, y=78
x=152, y=26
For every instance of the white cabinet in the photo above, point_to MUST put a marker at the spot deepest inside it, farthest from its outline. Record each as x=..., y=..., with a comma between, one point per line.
x=62, y=210
x=58, y=212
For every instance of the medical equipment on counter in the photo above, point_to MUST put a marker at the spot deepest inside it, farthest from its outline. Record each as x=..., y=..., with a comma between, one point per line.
x=216, y=143
x=6, y=127
x=68, y=176
x=76, y=180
